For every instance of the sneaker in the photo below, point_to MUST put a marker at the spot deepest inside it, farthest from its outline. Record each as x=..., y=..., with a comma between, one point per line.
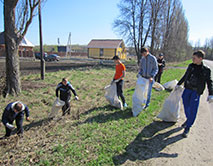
x=184, y=125
x=125, y=105
x=185, y=133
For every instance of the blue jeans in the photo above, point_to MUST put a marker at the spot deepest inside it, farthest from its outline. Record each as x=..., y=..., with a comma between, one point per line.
x=190, y=102
x=149, y=93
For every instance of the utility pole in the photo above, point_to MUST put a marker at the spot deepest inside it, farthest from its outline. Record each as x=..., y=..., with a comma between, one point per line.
x=41, y=43
x=68, y=49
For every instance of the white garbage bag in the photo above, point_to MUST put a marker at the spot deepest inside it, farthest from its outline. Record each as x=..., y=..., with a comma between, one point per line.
x=171, y=106
x=170, y=85
x=157, y=86
x=139, y=97
x=112, y=97
x=57, y=105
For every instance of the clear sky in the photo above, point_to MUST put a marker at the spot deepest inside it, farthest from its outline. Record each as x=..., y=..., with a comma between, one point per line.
x=92, y=19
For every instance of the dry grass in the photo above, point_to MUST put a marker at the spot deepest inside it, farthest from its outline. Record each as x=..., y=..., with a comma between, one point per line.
x=91, y=135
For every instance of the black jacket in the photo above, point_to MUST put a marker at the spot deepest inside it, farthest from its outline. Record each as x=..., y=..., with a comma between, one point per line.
x=9, y=115
x=65, y=93
x=196, y=77
x=160, y=67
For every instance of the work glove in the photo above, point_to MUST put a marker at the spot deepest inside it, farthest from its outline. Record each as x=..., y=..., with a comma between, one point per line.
x=9, y=126
x=112, y=82
x=76, y=98
x=210, y=99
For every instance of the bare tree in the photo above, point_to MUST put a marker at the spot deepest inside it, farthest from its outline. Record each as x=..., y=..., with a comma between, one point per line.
x=161, y=24
x=18, y=15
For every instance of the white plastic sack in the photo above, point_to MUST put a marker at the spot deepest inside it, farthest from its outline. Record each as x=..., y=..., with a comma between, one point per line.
x=211, y=111
x=157, y=86
x=170, y=85
x=57, y=105
x=112, y=97
x=139, y=97
x=171, y=107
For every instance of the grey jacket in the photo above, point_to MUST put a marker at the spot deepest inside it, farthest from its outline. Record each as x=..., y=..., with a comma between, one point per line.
x=148, y=66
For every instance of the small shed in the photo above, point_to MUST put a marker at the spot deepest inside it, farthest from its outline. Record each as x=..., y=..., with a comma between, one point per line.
x=106, y=48
x=25, y=47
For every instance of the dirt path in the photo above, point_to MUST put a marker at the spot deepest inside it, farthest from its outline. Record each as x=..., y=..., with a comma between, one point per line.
x=197, y=149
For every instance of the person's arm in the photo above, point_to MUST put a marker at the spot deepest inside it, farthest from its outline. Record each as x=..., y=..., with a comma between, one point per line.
x=27, y=112
x=72, y=89
x=57, y=89
x=154, y=68
x=209, y=83
x=163, y=63
x=184, y=76
x=140, y=68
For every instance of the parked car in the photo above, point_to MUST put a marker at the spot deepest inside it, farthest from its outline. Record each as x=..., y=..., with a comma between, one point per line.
x=38, y=55
x=52, y=57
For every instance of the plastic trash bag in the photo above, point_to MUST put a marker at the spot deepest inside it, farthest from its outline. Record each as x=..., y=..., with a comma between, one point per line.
x=112, y=97
x=170, y=85
x=211, y=111
x=157, y=86
x=57, y=105
x=139, y=97
x=171, y=106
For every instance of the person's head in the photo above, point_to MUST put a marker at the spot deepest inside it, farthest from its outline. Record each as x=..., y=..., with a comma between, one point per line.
x=64, y=81
x=144, y=51
x=116, y=59
x=17, y=107
x=161, y=55
x=198, y=56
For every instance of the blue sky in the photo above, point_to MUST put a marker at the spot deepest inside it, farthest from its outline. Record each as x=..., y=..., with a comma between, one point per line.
x=90, y=19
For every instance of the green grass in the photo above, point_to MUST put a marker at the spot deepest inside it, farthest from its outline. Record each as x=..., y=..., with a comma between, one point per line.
x=95, y=132
x=182, y=64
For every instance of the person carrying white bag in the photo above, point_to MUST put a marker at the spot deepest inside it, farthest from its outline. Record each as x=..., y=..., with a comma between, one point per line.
x=64, y=87
x=140, y=96
x=171, y=106
x=118, y=79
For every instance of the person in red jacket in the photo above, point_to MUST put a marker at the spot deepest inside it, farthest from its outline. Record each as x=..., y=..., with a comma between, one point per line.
x=118, y=78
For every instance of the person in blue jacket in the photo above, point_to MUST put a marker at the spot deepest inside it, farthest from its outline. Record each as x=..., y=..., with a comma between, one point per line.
x=148, y=68
x=64, y=87
x=14, y=111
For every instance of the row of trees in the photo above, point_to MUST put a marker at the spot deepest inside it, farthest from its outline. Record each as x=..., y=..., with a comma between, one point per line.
x=207, y=47
x=159, y=24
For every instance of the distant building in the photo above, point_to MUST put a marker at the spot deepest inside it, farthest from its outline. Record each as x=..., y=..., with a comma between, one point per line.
x=106, y=49
x=25, y=47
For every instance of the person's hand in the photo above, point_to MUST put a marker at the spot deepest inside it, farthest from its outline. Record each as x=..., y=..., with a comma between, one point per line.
x=150, y=79
x=210, y=99
x=112, y=82
x=76, y=98
x=9, y=126
x=28, y=119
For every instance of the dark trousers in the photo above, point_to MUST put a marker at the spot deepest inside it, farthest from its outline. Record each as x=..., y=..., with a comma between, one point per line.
x=19, y=122
x=190, y=102
x=158, y=76
x=119, y=85
x=66, y=107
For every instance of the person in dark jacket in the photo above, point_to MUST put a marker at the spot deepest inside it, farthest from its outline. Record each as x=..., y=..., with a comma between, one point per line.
x=195, y=79
x=161, y=65
x=14, y=111
x=64, y=88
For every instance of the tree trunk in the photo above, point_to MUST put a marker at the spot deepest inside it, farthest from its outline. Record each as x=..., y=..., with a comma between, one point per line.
x=13, y=84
